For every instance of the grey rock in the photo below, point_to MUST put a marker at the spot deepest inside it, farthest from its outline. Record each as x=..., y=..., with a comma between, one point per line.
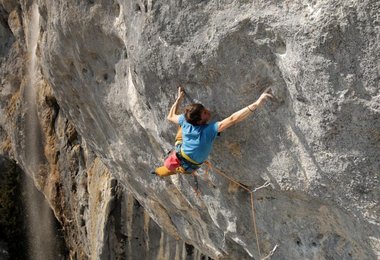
x=114, y=67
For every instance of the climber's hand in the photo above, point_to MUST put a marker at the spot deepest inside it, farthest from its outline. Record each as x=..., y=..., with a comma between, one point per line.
x=263, y=98
x=181, y=93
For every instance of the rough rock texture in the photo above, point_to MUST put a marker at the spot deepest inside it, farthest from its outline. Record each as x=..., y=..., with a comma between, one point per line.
x=100, y=218
x=114, y=66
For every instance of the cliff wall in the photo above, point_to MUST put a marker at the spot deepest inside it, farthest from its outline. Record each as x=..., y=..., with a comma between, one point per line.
x=107, y=75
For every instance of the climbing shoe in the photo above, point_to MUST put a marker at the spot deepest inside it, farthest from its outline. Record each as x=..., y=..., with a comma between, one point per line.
x=163, y=171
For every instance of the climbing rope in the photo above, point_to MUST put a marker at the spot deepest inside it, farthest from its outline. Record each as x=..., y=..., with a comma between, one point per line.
x=266, y=184
x=252, y=199
x=210, y=166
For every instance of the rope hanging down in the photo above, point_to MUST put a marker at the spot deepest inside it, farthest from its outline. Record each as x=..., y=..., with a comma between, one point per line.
x=252, y=198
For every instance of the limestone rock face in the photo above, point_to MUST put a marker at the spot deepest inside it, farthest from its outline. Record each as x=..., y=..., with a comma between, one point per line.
x=114, y=66
x=100, y=219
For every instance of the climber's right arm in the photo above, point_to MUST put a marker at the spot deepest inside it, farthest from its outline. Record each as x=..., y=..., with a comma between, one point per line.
x=173, y=116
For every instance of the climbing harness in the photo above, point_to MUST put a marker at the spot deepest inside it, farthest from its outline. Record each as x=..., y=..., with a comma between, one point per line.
x=188, y=159
x=187, y=164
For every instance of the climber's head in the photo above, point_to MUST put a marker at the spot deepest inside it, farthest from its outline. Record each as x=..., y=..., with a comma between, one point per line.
x=197, y=114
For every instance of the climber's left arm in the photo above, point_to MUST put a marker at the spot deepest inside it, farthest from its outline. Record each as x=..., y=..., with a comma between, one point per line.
x=242, y=113
x=173, y=116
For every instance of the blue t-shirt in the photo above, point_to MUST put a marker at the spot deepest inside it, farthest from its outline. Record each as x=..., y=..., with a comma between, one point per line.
x=197, y=140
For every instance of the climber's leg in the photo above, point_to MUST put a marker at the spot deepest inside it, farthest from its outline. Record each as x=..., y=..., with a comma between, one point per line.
x=163, y=171
x=178, y=137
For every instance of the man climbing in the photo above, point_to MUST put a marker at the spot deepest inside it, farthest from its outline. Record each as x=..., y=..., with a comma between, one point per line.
x=195, y=137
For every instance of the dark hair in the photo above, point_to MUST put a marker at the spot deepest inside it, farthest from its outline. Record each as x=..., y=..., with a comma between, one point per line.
x=193, y=113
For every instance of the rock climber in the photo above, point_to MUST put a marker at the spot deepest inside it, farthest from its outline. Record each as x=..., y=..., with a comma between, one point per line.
x=195, y=136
